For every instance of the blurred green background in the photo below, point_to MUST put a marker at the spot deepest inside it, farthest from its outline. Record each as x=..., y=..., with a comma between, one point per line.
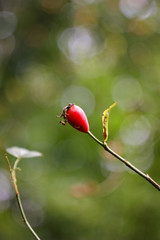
x=91, y=53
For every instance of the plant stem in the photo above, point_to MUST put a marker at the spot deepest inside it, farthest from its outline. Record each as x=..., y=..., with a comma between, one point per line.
x=128, y=164
x=13, y=175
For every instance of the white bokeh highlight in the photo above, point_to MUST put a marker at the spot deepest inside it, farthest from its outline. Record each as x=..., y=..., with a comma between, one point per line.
x=80, y=43
x=135, y=131
x=81, y=96
x=128, y=92
x=141, y=9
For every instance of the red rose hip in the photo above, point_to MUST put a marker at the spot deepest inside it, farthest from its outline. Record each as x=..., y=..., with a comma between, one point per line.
x=76, y=117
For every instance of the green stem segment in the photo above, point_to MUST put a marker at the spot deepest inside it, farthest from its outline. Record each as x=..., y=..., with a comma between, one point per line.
x=13, y=175
x=128, y=164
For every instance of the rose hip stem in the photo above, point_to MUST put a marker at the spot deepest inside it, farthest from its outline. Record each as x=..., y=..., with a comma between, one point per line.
x=128, y=164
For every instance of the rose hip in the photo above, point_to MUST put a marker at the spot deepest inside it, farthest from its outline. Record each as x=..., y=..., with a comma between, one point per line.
x=76, y=117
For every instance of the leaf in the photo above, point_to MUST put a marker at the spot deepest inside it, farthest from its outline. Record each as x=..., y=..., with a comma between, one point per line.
x=105, y=119
x=22, y=152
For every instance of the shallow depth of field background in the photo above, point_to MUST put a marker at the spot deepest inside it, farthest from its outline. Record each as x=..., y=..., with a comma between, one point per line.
x=91, y=53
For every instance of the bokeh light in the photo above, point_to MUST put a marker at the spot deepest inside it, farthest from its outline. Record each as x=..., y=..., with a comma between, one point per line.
x=128, y=92
x=80, y=43
x=138, y=8
x=80, y=96
x=135, y=130
x=8, y=22
x=6, y=192
x=85, y=1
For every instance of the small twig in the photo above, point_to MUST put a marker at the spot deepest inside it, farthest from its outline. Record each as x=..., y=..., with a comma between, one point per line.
x=128, y=164
x=13, y=175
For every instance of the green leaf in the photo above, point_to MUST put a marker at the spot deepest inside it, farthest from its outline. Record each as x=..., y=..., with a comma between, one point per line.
x=105, y=119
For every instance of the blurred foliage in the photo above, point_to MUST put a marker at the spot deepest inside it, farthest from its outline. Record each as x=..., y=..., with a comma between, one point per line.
x=91, y=53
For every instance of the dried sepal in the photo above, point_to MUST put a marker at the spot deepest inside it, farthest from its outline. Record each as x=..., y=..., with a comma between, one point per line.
x=105, y=119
